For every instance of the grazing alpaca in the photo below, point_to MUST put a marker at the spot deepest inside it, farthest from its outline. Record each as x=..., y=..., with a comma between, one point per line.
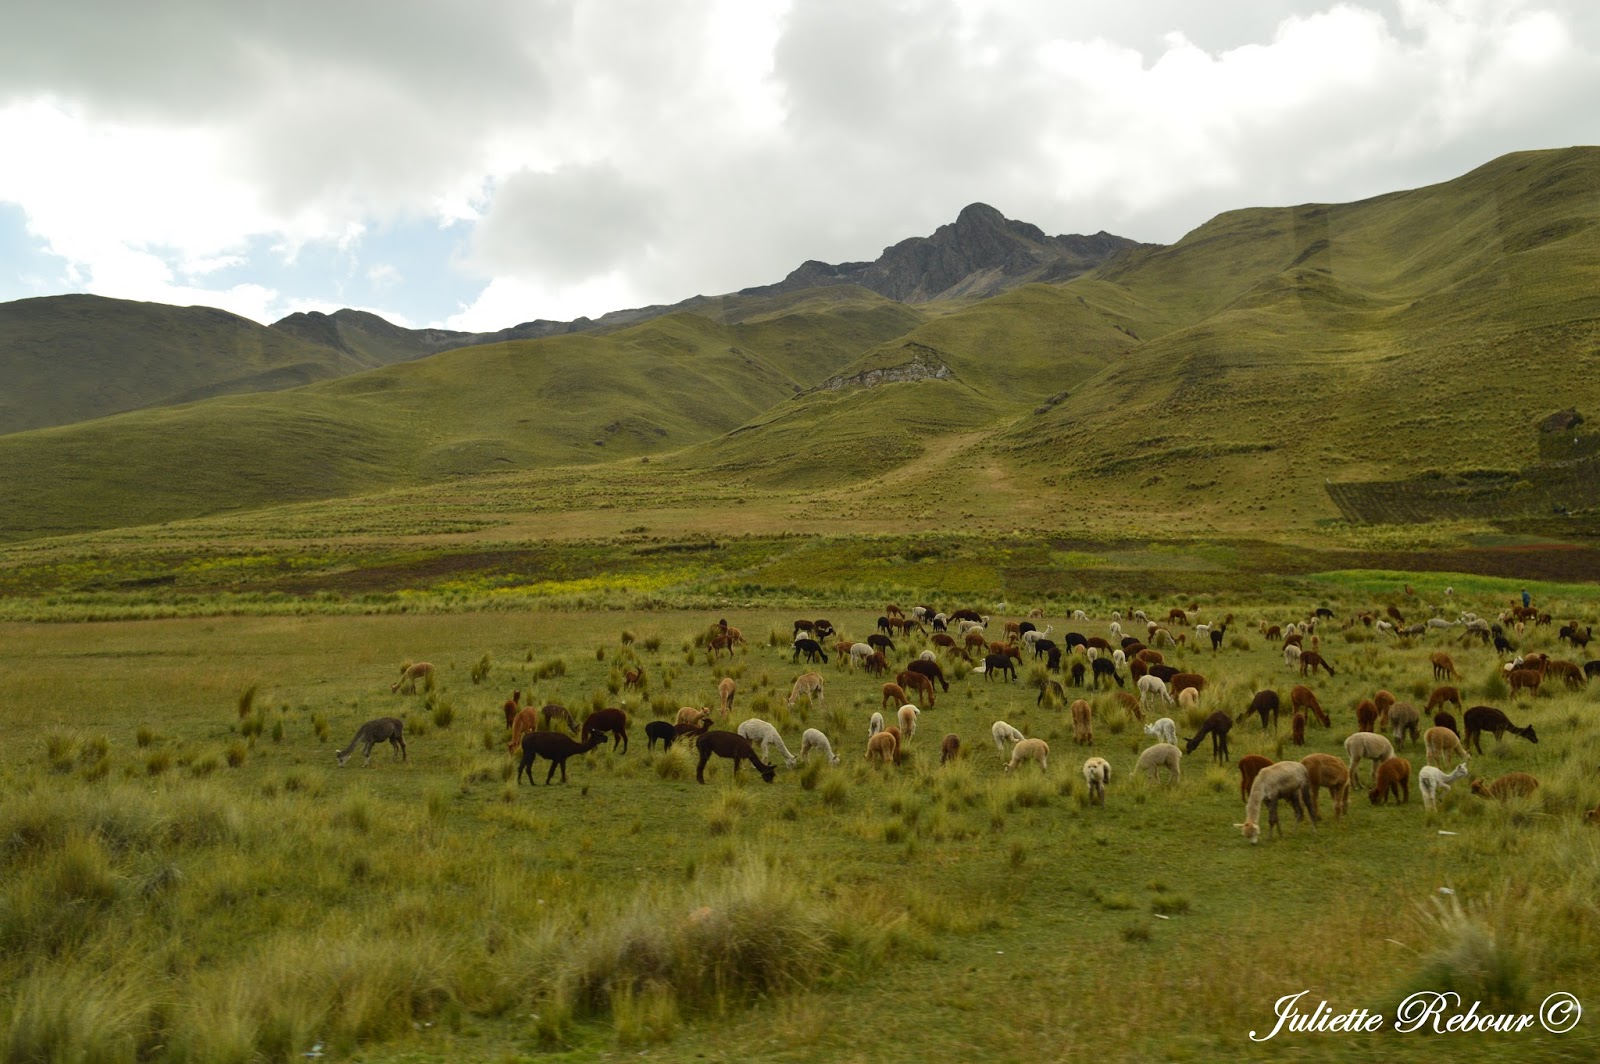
x=1053, y=691
x=1129, y=703
x=996, y=663
x=1107, y=668
x=1216, y=726
x=1480, y=719
x=1297, y=729
x=1159, y=756
x=1003, y=733
x=1363, y=745
x=512, y=707
x=759, y=732
x=1431, y=781
x=1165, y=730
x=932, y=670
x=1037, y=749
x=1250, y=766
x=1443, y=667
x=384, y=729
x=1153, y=689
x=1303, y=697
x=1527, y=679
x=1291, y=657
x=1403, y=721
x=809, y=685
x=1385, y=702
x=669, y=733
x=1440, y=696
x=1311, y=661
x=908, y=720
x=1392, y=778
x=913, y=681
x=552, y=713
x=1264, y=704
x=1511, y=785
x=1441, y=741
x=883, y=747
x=1366, y=716
x=1082, y=722
x=1442, y=719
x=633, y=679
x=811, y=649
x=1187, y=681
x=692, y=716
x=1325, y=770
x=1188, y=700
x=725, y=690
x=815, y=740
x=1284, y=780
x=410, y=674
x=557, y=747
x=1097, y=773
x=525, y=721
x=731, y=745
x=613, y=722
x=893, y=695
x=874, y=724
x=950, y=748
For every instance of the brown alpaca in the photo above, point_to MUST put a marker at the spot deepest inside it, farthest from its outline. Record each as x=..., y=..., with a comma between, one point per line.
x=914, y=681
x=1297, y=729
x=1441, y=695
x=1302, y=697
x=1511, y=785
x=513, y=707
x=1366, y=716
x=1392, y=778
x=882, y=747
x=893, y=695
x=1325, y=770
x=555, y=746
x=1249, y=766
x=613, y=722
x=1526, y=680
x=725, y=691
x=1082, y=722
x=1439, y=741
x=1385, y=702
x=1129, y=703
x=1443, y=667
x=950, y=749
x=633, y=678
x=410, y=674
x=730, y=745
x=525, y=721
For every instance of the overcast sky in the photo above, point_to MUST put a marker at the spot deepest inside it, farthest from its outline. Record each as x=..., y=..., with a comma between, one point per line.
x=478, y=163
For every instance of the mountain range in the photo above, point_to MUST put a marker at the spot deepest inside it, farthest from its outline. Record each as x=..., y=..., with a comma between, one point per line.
x=1234, y=378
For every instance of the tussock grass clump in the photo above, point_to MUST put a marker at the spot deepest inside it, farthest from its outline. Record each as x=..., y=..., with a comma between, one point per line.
x=481, y=668
x=247, y=701
x=158, y=762
x=1477, y=954
x=550, y=668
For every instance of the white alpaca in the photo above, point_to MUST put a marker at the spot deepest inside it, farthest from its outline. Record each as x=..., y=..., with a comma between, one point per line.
x=875, y=725
x=1119, y=657
x=1165, y=729
x=1151, y=689
x=1037, y=749
x=1097, y=773
x=1079, y=615
x=1159, y=756
x=809, y=685
x=1291, y=657
x=1282, y=780
x=1363, y=745
x=908, y=721
x=815, y=740
x=1189, y=699
x=1430, y=781
x=762, y=734
x=1004, y=733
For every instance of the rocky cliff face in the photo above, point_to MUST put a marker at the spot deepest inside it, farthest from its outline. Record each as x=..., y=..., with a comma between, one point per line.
x=982, y=253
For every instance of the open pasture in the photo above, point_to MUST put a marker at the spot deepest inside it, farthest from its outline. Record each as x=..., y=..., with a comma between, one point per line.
x=188, y=874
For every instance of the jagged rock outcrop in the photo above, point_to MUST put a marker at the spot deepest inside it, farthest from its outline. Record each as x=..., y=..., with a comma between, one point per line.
x=925, y=364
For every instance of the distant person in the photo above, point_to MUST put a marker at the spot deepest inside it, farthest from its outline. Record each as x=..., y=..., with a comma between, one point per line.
x=1527, y=599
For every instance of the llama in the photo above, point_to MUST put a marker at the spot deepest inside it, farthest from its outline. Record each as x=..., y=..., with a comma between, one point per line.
x=1480, y=719
x=1159, y=756
x=1440, y=741
x=1216, y=726
x=1431, y=781
x=1004, y=733
x=410, y=674
x=730, y=745
x=1165, y=730
x=1250, y=766
x=950, y=748
x=725, y=691
x=557, y=748
x=759, y=732
x=1392, y=778
x=1036, y=749
x=384, y=729
x=1283, y=780
x=1511, y=785
x=1082, y=722
x=1096, y=774
x=815, y=740
x=1363, y=745
x=611, y=721
x=809, y=685
x=1325, y=770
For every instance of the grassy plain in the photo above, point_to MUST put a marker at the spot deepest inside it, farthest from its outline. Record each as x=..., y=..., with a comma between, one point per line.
x=188, y=875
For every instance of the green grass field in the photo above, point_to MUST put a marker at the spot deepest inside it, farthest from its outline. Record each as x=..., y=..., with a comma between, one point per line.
x=188, y=874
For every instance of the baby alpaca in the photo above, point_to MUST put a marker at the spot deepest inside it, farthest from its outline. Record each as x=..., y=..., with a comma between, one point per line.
x=1096, y=773
x=1165, y=730
x=1431, y=781
x=950, y=748
x=1004, y=733
x=1512, y=784
x=1037, y=749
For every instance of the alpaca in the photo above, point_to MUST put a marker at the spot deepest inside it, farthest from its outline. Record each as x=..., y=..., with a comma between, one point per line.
x=1250, y=766
x=1385, y=703
x=1366, y=716
x=1291, y=657
x=1403, y=719
x=725, y=691
x=1442, y=719
x=1216, y=726
x=731, y=745
x=1284, y=780
x=874, y=724
x=762, y=734
x=1004, y=733
x=660, y=730
x=1431, y=781
x=1082, y=722
x=512, y=707
x=1188, y=700
x=893, y=695
x=1362, y=745
x=1159, y=756
x=557, y=747
x=1325, y=770
x=525, y=721
x=1440, y=741
x=1264, y=704
x=612, y=721
x=950, y=748
x=1165, y=730
x=912, y=680
x=908, y=720
x=1297, y=729
x=809, y=685
x=1480, y=719
x=815, y=740
x=1097, y=773
x=410, y=674
x=1511, y=785
x=691, y=715
x=882, y=747
x=1443, y=667
x=1037, y=749
x=1441, y=695
x=1303, y=697
x=1153, y=689
x=384, y=729
x=1392, y=778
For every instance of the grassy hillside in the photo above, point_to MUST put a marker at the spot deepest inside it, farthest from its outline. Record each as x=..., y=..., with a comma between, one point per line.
x=71, y=358
x=572, y=399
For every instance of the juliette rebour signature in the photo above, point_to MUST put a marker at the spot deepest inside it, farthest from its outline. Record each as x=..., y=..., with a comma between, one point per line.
x=1429, y=1011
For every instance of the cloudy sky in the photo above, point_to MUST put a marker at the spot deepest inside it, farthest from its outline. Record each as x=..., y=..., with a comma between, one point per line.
x=478, y=163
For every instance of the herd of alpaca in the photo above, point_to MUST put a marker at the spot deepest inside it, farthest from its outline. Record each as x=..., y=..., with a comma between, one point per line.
x=1382, y=721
